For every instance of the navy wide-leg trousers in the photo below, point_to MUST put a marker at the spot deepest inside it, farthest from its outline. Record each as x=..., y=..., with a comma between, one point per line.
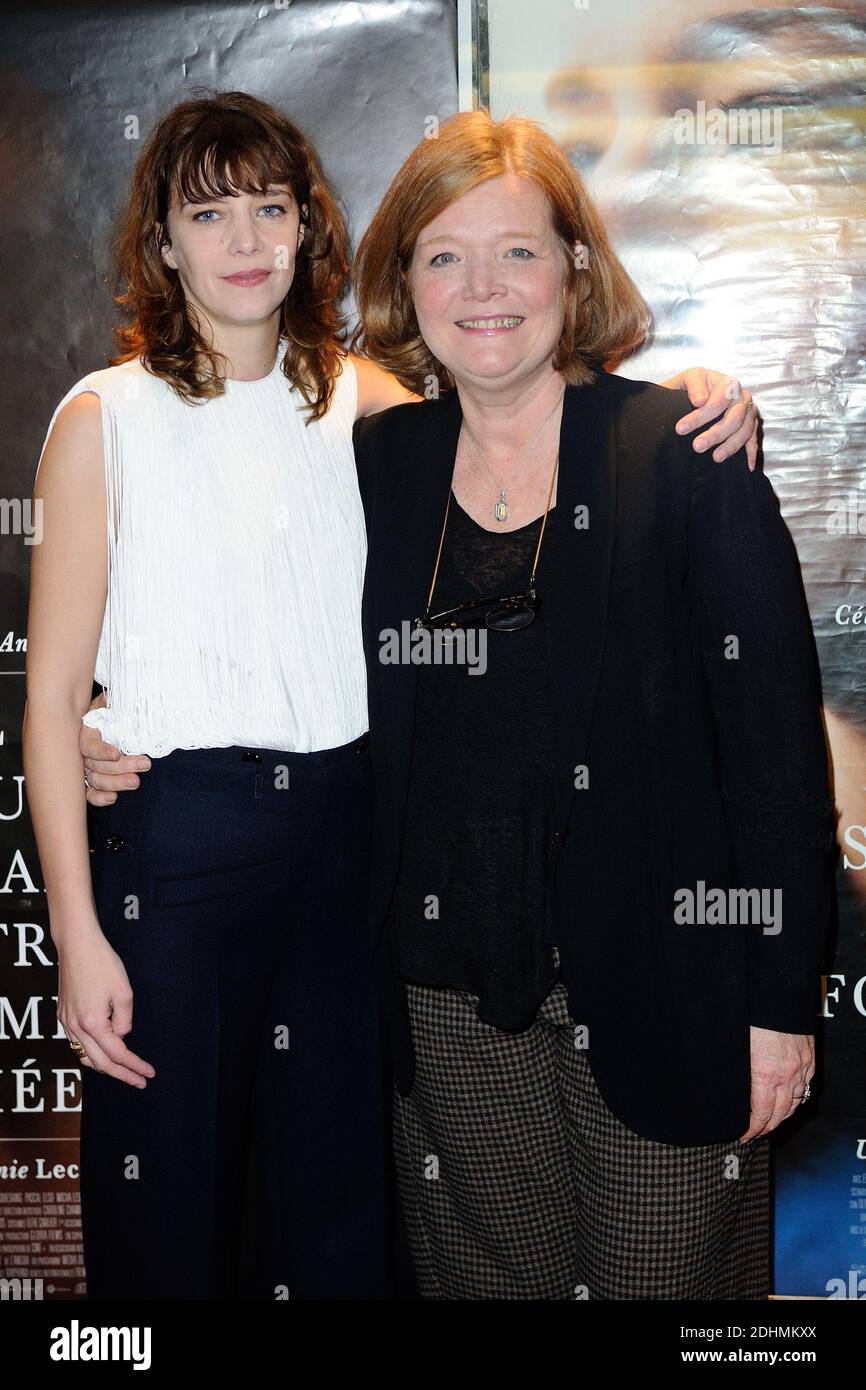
x=233, y=886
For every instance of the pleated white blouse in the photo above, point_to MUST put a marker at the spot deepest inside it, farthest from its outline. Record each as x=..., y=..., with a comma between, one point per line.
x=236, y=551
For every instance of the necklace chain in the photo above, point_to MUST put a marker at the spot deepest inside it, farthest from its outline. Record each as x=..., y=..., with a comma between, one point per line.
x=500, y=510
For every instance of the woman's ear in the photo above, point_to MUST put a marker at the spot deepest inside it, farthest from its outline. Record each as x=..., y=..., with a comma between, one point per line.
x=165, y=246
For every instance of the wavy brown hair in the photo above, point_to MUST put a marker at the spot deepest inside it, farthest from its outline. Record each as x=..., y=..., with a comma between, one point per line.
x=606, y=317
x=213, y=146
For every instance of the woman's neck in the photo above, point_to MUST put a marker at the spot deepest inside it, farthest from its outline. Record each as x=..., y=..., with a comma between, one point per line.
x=501, y=422
x=249, y=361
x=250, y=350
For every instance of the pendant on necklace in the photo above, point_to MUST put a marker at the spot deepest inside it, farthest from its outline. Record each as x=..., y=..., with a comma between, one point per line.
x=500, y=511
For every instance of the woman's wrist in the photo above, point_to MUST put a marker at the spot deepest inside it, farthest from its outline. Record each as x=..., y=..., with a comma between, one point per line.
x=71, y=927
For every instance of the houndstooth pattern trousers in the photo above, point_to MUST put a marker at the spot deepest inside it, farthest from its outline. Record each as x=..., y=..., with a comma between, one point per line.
x=517, y=1181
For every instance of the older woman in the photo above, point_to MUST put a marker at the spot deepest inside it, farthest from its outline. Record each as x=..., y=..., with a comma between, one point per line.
x=594, y=717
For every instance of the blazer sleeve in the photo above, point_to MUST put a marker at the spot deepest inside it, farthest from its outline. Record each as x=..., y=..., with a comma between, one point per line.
x=363, y=464
x=751, y=619
x=379, y=441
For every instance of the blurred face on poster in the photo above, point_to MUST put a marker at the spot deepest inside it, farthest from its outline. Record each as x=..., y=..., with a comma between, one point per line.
x=724, y=146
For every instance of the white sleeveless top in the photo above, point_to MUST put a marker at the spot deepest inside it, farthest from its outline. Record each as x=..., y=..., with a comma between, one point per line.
x=235, y=566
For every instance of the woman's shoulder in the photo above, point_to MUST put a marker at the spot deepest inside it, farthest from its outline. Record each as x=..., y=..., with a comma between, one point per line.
x=384, y=430
x=123, y=382
x=77, y=417
x=644, y=417
x=642, y=400
x=388, y=441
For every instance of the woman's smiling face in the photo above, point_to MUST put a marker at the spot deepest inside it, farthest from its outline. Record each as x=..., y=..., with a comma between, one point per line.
x=487, y=278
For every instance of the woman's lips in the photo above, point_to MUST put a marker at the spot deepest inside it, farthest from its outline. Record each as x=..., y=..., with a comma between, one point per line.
x=248, y=278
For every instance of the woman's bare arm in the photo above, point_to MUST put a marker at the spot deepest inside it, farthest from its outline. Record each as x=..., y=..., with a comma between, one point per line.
x=67, y=601
x=714, y=395
x=378, y=389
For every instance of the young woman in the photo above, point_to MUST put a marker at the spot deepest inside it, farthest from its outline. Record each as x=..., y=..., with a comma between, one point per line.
x=211, y=572
x=229, y=895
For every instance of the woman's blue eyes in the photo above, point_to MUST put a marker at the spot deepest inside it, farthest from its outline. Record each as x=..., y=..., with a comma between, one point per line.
x=278, y=207
x=527, y=254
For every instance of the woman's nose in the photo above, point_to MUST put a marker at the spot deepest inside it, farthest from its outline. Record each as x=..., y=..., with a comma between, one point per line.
x=245, y=237
x=482, y=281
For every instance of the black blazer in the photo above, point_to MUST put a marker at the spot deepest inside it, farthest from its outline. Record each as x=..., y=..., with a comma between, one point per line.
x=702, y=765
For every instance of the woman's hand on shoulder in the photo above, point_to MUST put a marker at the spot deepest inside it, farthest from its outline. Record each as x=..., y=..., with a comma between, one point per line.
x=714, y=394
x=377, y=389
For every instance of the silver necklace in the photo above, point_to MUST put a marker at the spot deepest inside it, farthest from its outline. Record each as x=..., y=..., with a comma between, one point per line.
x=500, y=510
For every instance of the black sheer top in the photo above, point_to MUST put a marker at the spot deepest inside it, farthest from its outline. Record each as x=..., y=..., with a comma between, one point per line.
x=470, y=907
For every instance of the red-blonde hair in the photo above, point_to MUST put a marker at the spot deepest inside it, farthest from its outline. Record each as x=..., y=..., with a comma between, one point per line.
x=606, y=317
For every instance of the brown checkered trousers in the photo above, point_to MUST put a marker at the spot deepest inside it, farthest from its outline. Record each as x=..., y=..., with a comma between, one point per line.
x=517, y=1181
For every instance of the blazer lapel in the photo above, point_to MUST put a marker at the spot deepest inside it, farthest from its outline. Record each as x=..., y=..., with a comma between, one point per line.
x=582, y=547
x=400, y=564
